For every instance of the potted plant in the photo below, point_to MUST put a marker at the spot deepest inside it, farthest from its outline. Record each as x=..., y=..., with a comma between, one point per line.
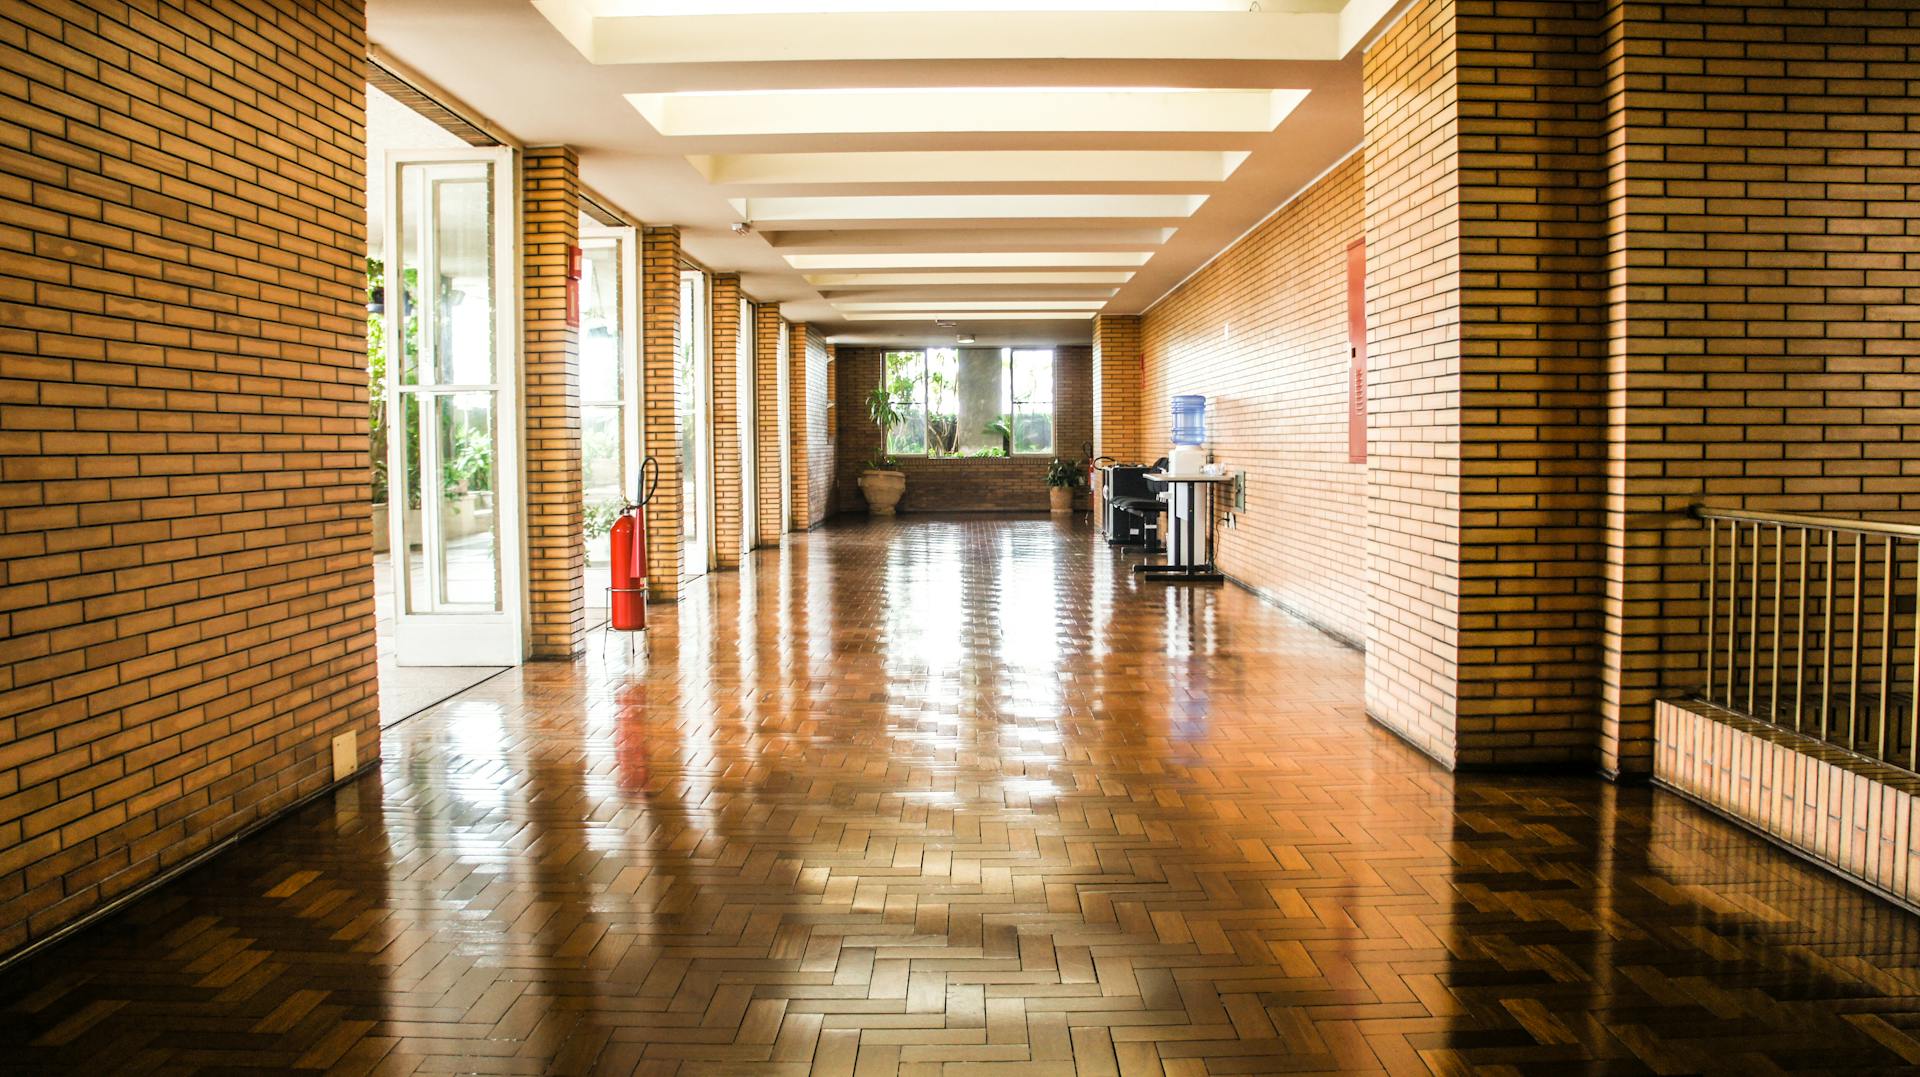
x=1062, y=477
x=882, y=483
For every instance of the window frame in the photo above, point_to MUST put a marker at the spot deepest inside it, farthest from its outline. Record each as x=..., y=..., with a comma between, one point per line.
x=923, y=401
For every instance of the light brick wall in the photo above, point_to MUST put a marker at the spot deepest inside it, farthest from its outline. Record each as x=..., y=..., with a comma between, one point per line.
x=766, y=388
x=1116, y=386
x=799, y=431
x=660, y=428
x=1262, y=333
x=186, y=564
x=556, y=526
x=727, y=507
x=1413, y=343
x=1016, y=484
x=818, y=432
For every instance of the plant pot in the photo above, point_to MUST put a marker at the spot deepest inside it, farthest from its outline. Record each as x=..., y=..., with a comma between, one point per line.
x=882, y=490
x=1060, y=498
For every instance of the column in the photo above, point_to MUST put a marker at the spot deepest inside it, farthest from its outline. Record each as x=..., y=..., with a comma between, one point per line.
x=727, y=507
x=659, y=384
x=556, y=541
x=1116, y=386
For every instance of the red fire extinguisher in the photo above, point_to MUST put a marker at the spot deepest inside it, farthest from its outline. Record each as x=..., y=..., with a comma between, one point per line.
x=627, y=608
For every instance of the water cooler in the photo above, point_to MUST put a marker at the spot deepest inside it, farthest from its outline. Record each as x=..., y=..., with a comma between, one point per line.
x=1188, y=457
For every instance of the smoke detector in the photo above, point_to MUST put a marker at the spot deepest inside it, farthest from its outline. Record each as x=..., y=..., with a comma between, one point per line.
x=743, y=228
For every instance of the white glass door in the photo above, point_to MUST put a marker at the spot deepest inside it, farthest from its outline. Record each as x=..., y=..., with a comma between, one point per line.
x=453, y=456
x=694, y=374
x=748, y=422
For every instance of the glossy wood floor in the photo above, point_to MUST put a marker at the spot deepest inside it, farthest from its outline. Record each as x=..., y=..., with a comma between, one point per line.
x=965, y=796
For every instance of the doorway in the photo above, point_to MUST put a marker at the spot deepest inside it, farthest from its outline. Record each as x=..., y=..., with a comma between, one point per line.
x=609, y=395
x=693, y=376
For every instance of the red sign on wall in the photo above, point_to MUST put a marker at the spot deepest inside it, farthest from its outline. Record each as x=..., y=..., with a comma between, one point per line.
x=1357, y=352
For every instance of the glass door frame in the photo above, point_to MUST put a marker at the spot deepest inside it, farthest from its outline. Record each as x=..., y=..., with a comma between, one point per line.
x=498, y=637
x=699, y=321
x=627, y=238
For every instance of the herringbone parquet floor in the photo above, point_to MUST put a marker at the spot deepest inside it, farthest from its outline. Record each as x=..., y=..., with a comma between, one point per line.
x=963, y=797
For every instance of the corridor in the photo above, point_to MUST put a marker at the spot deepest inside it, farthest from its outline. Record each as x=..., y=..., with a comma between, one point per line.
x=959, y=795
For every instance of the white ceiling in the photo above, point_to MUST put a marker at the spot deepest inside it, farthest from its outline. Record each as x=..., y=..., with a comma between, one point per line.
x=1011, y=166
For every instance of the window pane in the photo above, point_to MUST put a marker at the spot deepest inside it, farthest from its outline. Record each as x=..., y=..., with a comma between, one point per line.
x=1032, y=375
x=982, y=418
x=906, y=379
x=600, y=323
x=469, y=525
x=602, y=451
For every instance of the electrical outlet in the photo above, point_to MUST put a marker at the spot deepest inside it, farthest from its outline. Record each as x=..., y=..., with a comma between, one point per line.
x=346, y=755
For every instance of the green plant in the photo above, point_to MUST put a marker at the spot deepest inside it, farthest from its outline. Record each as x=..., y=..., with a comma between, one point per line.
x=601, y=514
x=1061, y=473
x=882, y=461
x=1003, y=427
x=885, y=406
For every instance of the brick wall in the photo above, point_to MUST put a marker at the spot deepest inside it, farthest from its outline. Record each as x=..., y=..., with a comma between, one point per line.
x=818, y=432
x=766, y=437
x=1413, y=382
x=1262, y=333
x=1764, y=346
x=186, y=582
x=556, y=527
x=726, y=420
x=1116, y=386
x=1004, y=484
x=659, y=347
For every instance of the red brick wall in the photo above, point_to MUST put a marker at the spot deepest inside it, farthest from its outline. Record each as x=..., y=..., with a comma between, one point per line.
x=1262, y=333
x=556, y=526
x=659, y=345
x=186, y=581
x=1005, y=484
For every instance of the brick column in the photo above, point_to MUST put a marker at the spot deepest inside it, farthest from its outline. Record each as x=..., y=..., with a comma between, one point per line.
x=727, y=509
x=556, y=541
x=766, y=434
x=1116, y=386
x=660, y=433
x=797, y=424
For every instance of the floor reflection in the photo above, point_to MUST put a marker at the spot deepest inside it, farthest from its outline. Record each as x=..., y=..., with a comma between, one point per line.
x=968, y=791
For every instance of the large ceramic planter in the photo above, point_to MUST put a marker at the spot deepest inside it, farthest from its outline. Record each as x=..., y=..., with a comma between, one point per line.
x=883, y=490
x=1060, y=498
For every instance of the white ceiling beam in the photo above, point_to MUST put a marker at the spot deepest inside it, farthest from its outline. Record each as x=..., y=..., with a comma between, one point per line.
x=883, y=280
x=1130, y=236
x=624, y=34
x=963, y=110
x=941, y=314
x=1197, y=167
x=972, y=260
x=974, y=304
x=825, y=211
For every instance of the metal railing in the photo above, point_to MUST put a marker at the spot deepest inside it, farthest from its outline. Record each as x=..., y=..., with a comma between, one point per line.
x=1811, y=626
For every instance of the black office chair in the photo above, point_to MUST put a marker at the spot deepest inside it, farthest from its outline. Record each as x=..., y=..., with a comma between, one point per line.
x=1136, y=504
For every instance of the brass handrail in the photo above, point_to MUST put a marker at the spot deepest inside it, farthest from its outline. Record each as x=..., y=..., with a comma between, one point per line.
x=1817, y=523
x=1823, y=620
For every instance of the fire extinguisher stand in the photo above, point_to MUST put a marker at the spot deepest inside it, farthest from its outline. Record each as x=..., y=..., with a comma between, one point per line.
x=627, y=589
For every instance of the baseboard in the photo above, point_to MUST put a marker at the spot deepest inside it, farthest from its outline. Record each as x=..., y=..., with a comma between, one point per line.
x=175, y=873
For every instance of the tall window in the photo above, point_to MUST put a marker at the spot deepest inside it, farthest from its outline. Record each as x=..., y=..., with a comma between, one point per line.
x=971, y=401
x=603, y=427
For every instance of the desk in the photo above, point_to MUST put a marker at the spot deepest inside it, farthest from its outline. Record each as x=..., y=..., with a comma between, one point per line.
x=1187, y=571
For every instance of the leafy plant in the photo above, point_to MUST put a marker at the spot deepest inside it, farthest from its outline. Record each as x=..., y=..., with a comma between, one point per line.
x=601, y=514
x=1061, y=473
x=886, y=407
x=1003, y=428
x=881, y=461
